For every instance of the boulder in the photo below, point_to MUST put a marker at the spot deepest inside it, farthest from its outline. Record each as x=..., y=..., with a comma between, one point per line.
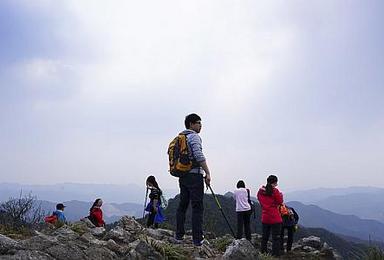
x=91, y=240
x=118, y=249
x=96, y=252
x=98, y=231
x=312, y=241
x=146, y=251
x=7, y=244
x=87, y=222
x=120, y=235
x=65, y=233
x=130, y=224
x=159, y=234
x=26, y=254
x=70, y=251
x=241, y=249
x=327, y=251
x=39, y=242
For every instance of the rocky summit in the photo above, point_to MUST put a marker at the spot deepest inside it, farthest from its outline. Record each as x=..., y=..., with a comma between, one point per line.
x=130, y=240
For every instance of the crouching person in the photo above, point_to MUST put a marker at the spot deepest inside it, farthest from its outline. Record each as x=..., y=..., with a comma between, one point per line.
x=290, y=220
x=57, y=218
x=96, y=214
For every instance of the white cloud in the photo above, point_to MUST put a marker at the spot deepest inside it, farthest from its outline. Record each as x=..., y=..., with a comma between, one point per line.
x=128, y=72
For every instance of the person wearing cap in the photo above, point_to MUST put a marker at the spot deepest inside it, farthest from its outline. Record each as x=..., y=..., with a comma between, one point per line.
x=59, y=213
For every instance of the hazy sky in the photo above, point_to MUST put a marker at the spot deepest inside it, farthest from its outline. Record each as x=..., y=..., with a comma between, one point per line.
x=93, y=91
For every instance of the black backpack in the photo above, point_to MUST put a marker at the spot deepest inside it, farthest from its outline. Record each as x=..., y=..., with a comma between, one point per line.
x=251, y=204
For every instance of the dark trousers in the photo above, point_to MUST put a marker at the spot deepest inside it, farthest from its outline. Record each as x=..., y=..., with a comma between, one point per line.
x=243, y=221
x=276, y=231
x=290, y=237
x=191, y=189
x=151, y=219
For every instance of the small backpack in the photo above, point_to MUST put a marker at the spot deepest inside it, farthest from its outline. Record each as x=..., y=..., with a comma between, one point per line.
x=284, y=211
x=179, y=161
x=51, y=219
x=251, y=204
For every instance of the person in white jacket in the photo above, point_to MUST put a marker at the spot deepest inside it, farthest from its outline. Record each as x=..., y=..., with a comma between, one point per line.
x=243, y=210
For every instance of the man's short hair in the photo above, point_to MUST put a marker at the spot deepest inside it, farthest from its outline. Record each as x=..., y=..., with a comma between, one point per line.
x=191, y=119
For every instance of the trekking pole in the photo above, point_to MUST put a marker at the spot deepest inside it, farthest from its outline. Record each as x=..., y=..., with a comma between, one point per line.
x=145, y=201
x=221, y=209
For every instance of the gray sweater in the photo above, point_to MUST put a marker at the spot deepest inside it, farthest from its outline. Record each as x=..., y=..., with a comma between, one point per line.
x=195, y=149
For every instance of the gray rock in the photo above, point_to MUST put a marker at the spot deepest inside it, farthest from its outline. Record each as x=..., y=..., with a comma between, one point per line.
x=145, y=251
x=327, y=251
x=312, y=241
x=296, y=247
x=6, y=244
x=206, y=252
x=65, y=233
x=307, y=249
x=100, y=253
x=119, y=250
x=27, y=255
x=87, y=222
x=131, y=225
x=120, y=235
x=158, y=233
x=39, y=242
x=91, y=240
x=98, y=231
x=241, y=249
x=69, y=251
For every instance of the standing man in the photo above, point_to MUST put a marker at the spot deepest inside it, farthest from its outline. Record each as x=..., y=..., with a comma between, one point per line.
x=192, y=183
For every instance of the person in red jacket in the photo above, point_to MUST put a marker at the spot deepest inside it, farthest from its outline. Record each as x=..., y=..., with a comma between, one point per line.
x=95, y=214
x=270, y=198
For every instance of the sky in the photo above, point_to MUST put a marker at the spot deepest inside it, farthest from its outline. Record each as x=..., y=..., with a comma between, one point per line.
x=94, y=91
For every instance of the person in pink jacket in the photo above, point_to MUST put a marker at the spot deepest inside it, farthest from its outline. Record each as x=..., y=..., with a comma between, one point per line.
x=270, y=198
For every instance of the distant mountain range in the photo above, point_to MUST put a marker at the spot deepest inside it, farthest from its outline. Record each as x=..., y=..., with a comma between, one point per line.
x=363, y=202
x=347, y=225
x=110, y=193
x=75, y=210
x=363, y=205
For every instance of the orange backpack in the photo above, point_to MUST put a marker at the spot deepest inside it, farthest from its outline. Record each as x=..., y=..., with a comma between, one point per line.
x=179, y=161
x=284, y=211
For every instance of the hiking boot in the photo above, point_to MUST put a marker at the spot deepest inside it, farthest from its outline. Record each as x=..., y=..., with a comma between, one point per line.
x=200, y=242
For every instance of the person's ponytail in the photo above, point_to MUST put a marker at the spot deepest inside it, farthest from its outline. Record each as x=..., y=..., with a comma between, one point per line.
x=269, y=188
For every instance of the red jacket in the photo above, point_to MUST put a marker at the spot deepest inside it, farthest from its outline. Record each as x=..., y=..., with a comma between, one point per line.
x=97, y=216
x=270, y=206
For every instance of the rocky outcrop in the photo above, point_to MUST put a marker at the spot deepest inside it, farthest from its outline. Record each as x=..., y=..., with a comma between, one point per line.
x=129, y=240
x=241, y=249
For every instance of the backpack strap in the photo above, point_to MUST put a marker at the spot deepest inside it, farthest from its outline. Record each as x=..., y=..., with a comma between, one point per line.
x=249, y=198
x=194, y=162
